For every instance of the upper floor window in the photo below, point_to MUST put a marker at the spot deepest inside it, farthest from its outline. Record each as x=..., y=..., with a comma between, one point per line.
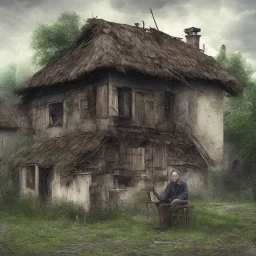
x=56, y=113
x=169, y=101
x=124, y=102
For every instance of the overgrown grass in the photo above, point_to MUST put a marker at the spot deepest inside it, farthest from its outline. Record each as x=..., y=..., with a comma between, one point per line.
x=224, y=187
x=12, y=204
x=26, y=228
x=218, y=227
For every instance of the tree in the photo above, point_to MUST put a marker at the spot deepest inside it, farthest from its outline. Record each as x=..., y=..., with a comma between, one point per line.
x=240, y=119
x=51, y=41
x=11, y=77
x=8, y=77
x=237, y=65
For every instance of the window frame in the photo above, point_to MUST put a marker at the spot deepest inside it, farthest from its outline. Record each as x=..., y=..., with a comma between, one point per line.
x=51, y=124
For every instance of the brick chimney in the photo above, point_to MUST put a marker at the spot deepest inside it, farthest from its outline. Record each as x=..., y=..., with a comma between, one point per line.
x=192, y=37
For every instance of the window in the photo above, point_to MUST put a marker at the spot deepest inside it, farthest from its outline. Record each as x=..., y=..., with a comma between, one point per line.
x=30, y=177
x=124, y=102
x=121, y=182
x=169, y=101
x=56, y=114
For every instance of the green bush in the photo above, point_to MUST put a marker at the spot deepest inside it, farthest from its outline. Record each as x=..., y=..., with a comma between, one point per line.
x=222, y=186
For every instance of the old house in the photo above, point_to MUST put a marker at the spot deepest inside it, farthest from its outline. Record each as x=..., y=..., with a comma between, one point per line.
x=126, y=105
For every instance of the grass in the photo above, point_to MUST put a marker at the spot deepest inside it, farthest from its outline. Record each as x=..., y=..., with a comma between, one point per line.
x=217, y=229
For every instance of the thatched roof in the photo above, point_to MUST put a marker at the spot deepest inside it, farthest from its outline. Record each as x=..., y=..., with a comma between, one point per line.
x=70, y=152
x=64, y=153
x=125, y=48
x=10, y=116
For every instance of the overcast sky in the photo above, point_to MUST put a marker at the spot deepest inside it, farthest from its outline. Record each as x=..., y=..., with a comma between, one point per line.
x=229, y=22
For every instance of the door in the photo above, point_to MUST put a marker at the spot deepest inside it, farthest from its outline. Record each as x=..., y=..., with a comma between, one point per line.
x=45, y=180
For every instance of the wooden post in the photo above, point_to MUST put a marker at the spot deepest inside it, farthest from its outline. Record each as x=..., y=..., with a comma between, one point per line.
x=36, y=180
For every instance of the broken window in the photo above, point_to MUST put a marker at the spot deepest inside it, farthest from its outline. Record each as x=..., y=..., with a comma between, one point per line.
x=169, y=101
x=122, y=182
x=56, y=114
x=30, y=177
x=124, y=102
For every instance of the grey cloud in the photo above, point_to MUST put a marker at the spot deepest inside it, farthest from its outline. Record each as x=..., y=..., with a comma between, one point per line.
x=238, y=35
x=18, y=18
x=242, y=5
x=13, y=4
x=173, y=5
x=243, y=31
x=143, y=6
x=123, y=4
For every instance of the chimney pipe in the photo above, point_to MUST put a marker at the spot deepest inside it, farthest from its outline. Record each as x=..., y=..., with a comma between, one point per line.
x=192, y=37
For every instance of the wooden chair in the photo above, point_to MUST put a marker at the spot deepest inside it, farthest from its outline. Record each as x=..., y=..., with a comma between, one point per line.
x=179, y=214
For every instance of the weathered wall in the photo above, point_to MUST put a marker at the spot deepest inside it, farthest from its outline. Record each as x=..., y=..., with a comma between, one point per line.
x=134, y=167
x=199, y=110
x=203, y=112
x=209, y=125
x=79, y=107
x=147, y=100
x=77, y=190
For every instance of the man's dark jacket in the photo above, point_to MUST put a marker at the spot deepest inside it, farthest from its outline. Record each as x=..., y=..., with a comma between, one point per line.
x=178, y=190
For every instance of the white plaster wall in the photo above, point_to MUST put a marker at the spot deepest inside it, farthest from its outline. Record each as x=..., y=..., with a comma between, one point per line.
x=207, y=122
x=77, y=191
x=200, y=112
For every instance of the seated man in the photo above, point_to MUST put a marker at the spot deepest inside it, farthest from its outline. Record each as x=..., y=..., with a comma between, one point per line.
x=176, y=193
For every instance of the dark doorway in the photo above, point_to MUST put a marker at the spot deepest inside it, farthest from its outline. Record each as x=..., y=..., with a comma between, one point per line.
x=45, y=179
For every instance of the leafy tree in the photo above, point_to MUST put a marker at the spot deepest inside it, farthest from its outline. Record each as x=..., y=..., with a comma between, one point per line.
x=11, y=77
x=237, y=65
x=51, y=41
x=8, y=77
x=240, y=119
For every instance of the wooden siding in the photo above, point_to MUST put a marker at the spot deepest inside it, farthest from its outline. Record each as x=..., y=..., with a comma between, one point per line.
x=102, y=101
x=134, y=159
x=113, y=101
x=159, y=157
x=40, y=118
x=144, y=108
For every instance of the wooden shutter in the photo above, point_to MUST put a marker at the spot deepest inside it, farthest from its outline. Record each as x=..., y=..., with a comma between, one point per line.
x=145, y=108
x=113, y=101
x=102, y=101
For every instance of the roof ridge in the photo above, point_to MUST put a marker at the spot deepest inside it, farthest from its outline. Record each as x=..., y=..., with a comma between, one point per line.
x=174, y=59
